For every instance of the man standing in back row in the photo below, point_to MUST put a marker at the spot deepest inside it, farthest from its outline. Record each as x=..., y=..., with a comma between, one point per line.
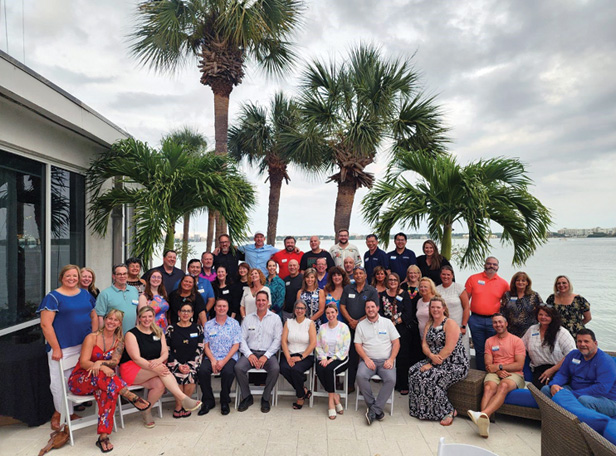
x=282, y=257
x=374, y=256
x=401, y=258
x=343, y=250
x=309, y=258
x=485, y=291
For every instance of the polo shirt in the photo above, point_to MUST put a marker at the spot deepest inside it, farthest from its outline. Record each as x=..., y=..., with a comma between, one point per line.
x=124, y=300
x=339, y=254
x=321, y=283
x=291, y=286
x=170, y=281
x=371, y=261
x=485, y=293
x=257, y=257
x=261, y=334
x=230, y=261
x=355, y=301
x=595, y=377
x=376, y=337
x=400, y=262
x=221, y=338
x=282, y=259
x=504, y=349
x=204, y=287
x=309, y=259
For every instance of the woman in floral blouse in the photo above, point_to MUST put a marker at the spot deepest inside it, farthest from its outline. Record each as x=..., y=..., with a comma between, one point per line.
x=519, y=304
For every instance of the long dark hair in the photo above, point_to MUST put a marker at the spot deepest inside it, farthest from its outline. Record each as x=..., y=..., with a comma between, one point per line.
x=329, y=287
x=552, y=330
x=161, y=288
x=436, y=258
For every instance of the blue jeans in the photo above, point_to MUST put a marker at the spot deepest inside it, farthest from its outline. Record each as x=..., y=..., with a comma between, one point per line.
x=600, y=404
x=481, y=329
x=546, y=390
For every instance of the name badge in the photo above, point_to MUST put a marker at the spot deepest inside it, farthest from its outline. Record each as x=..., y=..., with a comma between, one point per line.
x=287, y=283
x=351, y=295
x=405, y=258
x=156, y=338
x=382, y=332
x=514, y=298
x=193, y=335
x=392, y=258
x=251, y=329
x=495, y=348
x=481, y=282
x=439, y=327
x=225, y=291
x=575, y=361
x=534, y=334
x=135, y=302
x=213, y=334
x=201, y=290
x=284, y=260
x=399, y=298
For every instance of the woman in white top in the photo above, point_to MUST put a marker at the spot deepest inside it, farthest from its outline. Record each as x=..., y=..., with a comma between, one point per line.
x=547, y=344
x=456, y=298
x=427, y=291
x=256, y=283
x=299, y=337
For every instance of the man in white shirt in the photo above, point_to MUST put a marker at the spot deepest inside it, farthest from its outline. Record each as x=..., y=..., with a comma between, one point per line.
x=377, y=343
x=343, y=250
x=261, y=334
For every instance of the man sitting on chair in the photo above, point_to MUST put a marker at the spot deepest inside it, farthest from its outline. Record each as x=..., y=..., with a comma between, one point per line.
x=504, y=359
x=377, y=343
x=261, y=334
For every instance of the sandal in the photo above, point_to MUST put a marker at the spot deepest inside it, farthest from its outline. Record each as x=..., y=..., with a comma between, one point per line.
x=148, y=421
x=297, y=405
x=185, y=413
x=447, y=417
x=404, y=392
x=308, y=395
x=190, y=405
x=79, y=407
x=331, y=413
x=135, y=399
x=339, y=409
x=178, y=413
x=100, y=442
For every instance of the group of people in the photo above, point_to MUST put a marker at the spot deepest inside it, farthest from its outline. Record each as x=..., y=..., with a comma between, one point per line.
x=255, y=312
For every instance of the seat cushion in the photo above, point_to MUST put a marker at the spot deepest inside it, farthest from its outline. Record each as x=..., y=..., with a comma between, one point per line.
x=521, y=397
x=567, y=400
x=610, y=431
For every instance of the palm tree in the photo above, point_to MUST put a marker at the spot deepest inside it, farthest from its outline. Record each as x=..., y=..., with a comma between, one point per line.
x=162, y=186
x=256, y=137
x=349, y=110
x=220, y=35
x=475, y=194
x=196, y=144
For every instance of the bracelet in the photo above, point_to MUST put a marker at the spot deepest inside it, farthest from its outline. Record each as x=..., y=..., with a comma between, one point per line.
x=301, y=356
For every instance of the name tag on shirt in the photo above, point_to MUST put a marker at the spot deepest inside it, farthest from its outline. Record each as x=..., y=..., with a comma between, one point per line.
x=213, y=334
x=351, y=295
x=156, y=338
x=575, y=361
x=392, y=258
x=404, y=258
x=135, y=302
x=383, y=333
x=399, y=298
x=481, y=282
x=438, y=328
x=287, y=283
x=284, y=260
x=514, y=298
x=534, y=334
x=225, y=291
x=193, y=335
x=201, y=290
x=251, y=329
x=495, y=348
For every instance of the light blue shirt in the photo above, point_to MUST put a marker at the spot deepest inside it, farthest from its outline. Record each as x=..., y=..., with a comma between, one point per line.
x=124, y=300
x=222, y=337
x=257, y=257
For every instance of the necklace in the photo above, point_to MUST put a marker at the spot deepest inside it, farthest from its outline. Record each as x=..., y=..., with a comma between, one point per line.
x=105, y=344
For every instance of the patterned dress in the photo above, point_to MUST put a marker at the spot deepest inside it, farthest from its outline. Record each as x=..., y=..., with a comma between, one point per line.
x=428, y=390
x=311, y=299
x=520, y=312
x=105, y=389
x=573, y=314
x=160, y=306
x=185, y=347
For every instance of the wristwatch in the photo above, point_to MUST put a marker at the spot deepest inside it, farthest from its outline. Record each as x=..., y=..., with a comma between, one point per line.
x=500, y=367
x=462, y=326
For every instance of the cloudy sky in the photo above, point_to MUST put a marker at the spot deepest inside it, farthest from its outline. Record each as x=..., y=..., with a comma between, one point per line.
x=527, y=79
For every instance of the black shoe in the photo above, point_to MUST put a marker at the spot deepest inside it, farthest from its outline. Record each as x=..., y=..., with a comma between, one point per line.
x=265, y=406
x=224, y=409
x=380, y=417
x=370, y=416
x=247, y=402
x=205, y=408
x=351, y=389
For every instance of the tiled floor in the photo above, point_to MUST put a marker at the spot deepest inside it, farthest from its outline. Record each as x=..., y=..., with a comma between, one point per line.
x=287, y=432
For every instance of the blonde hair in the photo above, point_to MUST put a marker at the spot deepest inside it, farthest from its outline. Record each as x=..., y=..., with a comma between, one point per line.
x=445, y=309
x=431, y=283
x=158, y=332
x=67, y=268
x=568, y=281
x=92, y=286
x=118, y=333
x=415, y=268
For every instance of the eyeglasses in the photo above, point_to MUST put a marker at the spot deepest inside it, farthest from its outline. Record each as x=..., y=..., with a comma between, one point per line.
x=186, y=311
x=300, y=308
x=545, y=304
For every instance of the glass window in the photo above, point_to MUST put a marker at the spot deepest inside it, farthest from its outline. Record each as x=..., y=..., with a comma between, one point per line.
x=67, y=220
x=22, y=275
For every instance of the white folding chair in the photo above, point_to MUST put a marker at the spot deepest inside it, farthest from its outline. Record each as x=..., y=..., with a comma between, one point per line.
x=65, y=417
x=285, y=392
x=127, y=409
x=255, y=390
x=361, y=397
x=344, y=394
x=461, y=449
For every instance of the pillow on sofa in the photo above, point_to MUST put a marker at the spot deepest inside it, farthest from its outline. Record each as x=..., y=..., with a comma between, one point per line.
x=610, y=431
x=567, y=400
x=521, y=397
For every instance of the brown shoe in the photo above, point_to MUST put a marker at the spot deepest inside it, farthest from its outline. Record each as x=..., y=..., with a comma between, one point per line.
x=55, y=421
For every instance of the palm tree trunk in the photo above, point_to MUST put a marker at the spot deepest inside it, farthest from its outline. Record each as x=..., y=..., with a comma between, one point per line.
x=344, y=205
x=446, y=242
x=275, y=179
x=221, y=226
x=221, y=126
x=170, y=238
x=211, y=221
x=185, y=236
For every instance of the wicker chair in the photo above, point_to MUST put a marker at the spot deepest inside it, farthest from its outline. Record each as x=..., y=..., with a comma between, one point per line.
x=517, y=410
x=598, y=444
x=561, y=432
x=466, y=394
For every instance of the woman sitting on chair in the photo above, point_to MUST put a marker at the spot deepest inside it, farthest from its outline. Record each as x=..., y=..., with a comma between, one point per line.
x=95, y=374
x=143, y=363
x=299, y=337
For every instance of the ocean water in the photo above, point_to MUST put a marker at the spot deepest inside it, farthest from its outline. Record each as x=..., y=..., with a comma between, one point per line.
x=590, y=265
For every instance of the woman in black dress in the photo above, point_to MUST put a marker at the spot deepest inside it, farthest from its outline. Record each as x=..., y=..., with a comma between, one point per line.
x=224, y=288
x=187, y=293
x=396, y=305
x=185, y=342
x=431, y=262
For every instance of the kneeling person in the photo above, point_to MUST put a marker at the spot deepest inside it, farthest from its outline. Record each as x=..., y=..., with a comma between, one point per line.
x=261, y=334
x=377, y=343
x=222, y=337
x=504, y=359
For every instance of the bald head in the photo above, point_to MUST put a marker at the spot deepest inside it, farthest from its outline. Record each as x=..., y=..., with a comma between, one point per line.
x=293, y=268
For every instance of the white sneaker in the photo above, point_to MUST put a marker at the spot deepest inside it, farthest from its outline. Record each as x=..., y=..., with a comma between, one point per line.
x=474, y=416
x=483, y=423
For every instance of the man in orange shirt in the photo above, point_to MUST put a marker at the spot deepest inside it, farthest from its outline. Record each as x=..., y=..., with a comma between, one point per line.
x=485, y=291
x=504, y=359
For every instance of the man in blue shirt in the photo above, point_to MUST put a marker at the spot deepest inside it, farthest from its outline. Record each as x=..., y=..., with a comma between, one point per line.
x=258, y=253
x=374, y=256
x=119, y=296
x=401, y=258
x=589, y=373
x=171, y=274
